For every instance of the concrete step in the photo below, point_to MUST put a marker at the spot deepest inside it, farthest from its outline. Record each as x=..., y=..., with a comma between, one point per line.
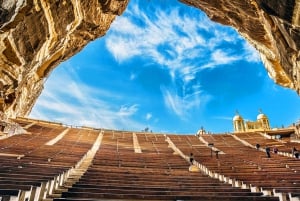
x=68, y=186
x=54, y=196
x=60, y=190
x=70, y=182
x=76, y=173
x=48, y=199
x=75, y=176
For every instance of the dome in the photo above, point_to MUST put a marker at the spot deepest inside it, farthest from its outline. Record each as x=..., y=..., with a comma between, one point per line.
x=237, y=118
x=261, y=116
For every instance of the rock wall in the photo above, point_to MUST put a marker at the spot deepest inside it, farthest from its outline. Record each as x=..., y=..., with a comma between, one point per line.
x=35, y=36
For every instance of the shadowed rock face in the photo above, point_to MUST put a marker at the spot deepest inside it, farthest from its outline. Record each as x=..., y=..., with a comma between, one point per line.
x=35, y=36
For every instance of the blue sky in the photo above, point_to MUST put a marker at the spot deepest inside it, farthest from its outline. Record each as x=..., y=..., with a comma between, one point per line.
x=167, y=67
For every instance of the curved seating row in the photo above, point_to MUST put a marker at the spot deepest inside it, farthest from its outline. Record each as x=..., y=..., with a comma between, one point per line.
x=142, y=166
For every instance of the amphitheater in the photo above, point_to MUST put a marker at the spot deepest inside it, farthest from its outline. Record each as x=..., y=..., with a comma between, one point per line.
x=43, y=160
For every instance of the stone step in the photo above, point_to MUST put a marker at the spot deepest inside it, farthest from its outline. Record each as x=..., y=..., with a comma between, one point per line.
x=54, y=196
x=74, y=176
x=60, y=190
x=47, y=199
x=68, y=186
x=70, y=183
x=71, y=176
x=77, y=171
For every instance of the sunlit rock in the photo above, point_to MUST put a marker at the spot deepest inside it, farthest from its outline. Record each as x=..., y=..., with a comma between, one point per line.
x=36, y=36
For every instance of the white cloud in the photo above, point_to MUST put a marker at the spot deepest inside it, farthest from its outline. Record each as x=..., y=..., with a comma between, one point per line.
x=220, y=57
x=148, y=116
x=185, y=43
x=182, y=105
x=250, y=53
x=127, y=111
x=132, y=76
x=220, y=35
x=173, y=102
x=82, y=105
x=160, y=30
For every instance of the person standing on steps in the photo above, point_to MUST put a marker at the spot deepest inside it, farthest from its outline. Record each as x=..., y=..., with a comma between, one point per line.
x=268, y=150
x=296, y=153
x=275, y=150
x=191, y=158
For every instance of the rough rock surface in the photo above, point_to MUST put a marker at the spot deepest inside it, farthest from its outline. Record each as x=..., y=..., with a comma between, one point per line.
x=35, y=36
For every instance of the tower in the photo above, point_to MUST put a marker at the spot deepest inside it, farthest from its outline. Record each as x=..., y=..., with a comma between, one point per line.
x=238, y=123
x=263, y=120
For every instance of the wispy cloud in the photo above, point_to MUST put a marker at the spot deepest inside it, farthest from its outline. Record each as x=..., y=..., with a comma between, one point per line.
x=126, y=111
x=132, y=76
x=182, y=105
x=173, y=40
x=220, y=57
x=250, y=53
x=78, y=104
x=183, y=42
x=148, y=116
x=174, y=102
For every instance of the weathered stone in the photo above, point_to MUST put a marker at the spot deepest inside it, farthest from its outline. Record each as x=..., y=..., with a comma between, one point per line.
x=35, y=36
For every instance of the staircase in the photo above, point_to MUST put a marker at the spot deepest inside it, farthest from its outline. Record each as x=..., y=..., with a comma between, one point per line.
x=76, y=173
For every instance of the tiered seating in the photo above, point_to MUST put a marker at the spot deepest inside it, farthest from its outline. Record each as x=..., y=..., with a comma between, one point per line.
x=31, y=169
x=247, y=167
x=257, y=138
x=283, y=145
x=142, y=166
x=24, y=143
x=119, y=173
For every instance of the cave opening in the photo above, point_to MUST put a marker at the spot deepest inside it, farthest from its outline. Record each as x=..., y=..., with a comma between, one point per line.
x=166, y=67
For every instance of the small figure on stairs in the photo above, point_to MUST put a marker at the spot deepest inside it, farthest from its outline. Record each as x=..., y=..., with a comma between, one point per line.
x=191, y=158
x=268, y=152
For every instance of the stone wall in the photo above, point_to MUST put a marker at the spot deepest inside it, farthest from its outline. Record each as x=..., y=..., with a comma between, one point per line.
x=35, y=36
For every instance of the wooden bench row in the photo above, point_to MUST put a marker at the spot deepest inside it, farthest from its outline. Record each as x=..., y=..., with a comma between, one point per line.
x=105, y=180
x=42, y=168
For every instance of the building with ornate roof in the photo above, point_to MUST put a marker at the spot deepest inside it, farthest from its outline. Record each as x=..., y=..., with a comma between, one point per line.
x=261, y=124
